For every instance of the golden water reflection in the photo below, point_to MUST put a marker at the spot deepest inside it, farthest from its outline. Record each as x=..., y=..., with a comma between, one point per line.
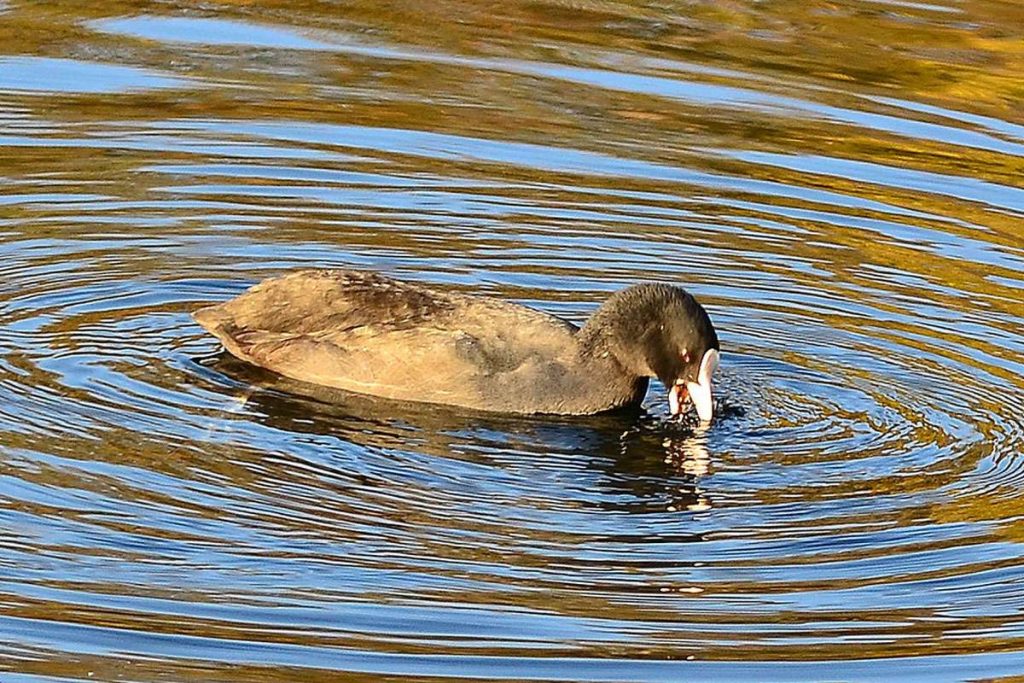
x=839, y=182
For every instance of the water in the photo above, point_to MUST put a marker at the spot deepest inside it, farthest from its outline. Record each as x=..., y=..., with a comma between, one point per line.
x=840, y=183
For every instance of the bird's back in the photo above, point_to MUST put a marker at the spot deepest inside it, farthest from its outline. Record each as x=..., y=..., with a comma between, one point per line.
x=370, y=334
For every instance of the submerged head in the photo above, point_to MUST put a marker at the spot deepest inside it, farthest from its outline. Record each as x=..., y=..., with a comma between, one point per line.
x=661, y=331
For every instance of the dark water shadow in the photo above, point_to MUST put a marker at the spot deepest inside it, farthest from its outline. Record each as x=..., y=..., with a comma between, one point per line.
x=645, y=462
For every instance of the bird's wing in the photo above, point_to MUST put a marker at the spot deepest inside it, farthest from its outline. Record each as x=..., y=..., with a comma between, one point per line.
x=370, y=334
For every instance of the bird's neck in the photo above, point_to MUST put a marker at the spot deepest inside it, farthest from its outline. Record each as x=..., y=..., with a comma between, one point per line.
x=612, y=334
x=608, y=381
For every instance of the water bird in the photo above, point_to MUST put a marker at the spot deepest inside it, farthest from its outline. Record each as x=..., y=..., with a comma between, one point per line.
x=367, y=333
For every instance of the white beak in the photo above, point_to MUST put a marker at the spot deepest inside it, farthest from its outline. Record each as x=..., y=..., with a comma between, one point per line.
x=700, y=391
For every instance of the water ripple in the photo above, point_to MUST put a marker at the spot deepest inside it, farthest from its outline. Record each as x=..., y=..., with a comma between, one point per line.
x=854, y=513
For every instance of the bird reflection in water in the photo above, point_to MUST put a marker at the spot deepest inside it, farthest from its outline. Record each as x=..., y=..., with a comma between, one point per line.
x=689, y=456
x=665, y=461
x=636, y=462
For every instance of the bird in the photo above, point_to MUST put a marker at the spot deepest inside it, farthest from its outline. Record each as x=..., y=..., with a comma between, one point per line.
x=364, y=332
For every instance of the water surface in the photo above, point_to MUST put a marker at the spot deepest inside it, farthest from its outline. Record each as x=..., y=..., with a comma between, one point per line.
x=839, y=183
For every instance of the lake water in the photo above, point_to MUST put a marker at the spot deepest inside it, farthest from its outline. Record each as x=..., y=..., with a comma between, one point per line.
x=841, y=183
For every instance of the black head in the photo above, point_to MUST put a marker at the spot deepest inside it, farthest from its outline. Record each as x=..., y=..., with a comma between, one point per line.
x=661, y=331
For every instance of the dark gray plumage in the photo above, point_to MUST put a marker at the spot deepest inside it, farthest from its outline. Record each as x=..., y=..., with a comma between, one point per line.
x=370, y=334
